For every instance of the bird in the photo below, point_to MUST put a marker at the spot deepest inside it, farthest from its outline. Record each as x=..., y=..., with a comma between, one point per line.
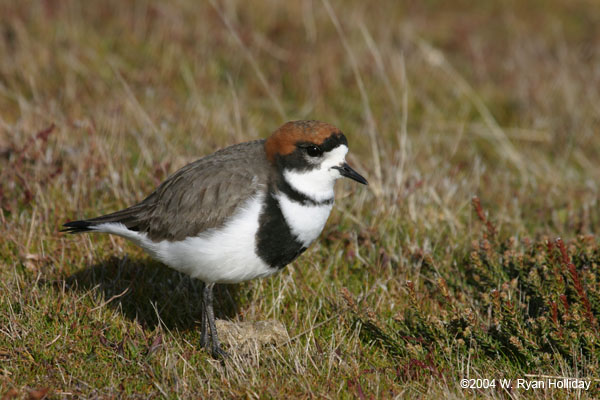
x=243, y=212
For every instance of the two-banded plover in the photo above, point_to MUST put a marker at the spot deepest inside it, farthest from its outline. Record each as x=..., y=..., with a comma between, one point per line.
x=241, y=213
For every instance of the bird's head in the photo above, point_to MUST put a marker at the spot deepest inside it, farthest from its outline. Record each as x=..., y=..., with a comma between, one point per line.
x=311, y=156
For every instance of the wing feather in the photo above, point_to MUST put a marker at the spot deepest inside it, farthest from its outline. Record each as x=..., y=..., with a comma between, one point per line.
x=200, y=196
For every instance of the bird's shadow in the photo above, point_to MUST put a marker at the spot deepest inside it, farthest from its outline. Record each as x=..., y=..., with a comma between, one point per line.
x=150, y=292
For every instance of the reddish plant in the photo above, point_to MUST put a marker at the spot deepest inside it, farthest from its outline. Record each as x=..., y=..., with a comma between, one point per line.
x=491, y=229
x=576, y=281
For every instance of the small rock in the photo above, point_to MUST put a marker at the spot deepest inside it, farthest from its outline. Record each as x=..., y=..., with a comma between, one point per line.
x=245, y=335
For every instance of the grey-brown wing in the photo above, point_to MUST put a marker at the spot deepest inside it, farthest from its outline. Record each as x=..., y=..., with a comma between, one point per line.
x=199, y=196
x=205, y=193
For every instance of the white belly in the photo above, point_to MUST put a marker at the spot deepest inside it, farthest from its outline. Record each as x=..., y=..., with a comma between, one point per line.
x=224, y=255
x=305, y=221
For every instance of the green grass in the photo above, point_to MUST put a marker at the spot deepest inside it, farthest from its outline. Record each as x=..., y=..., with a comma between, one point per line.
x=412, y=286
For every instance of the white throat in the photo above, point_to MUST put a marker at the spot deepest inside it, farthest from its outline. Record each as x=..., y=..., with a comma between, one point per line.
x=317, y=183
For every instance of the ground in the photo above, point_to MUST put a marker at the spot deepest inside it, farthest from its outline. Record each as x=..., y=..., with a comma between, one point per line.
x=476, y=124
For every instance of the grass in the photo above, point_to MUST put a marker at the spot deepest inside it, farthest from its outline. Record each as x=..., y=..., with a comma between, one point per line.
x=475, y=123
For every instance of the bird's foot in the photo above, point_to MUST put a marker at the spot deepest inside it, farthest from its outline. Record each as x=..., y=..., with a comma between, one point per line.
x=219, y=353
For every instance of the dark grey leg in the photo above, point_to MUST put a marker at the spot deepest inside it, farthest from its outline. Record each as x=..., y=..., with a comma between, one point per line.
x=217, y=351
x=204, y=323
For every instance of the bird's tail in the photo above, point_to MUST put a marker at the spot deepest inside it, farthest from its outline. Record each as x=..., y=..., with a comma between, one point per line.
x=127, y=217
x=77, y=226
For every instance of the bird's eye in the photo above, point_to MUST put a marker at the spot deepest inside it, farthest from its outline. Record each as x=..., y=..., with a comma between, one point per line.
x=314, y=151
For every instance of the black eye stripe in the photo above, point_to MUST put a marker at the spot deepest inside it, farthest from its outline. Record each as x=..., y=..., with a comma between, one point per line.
x=307, y=145
x=300, y=160
x=313, y=151
x=328, y=144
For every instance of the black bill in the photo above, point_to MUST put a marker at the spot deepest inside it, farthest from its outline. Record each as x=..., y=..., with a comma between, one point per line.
x=348, y=172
